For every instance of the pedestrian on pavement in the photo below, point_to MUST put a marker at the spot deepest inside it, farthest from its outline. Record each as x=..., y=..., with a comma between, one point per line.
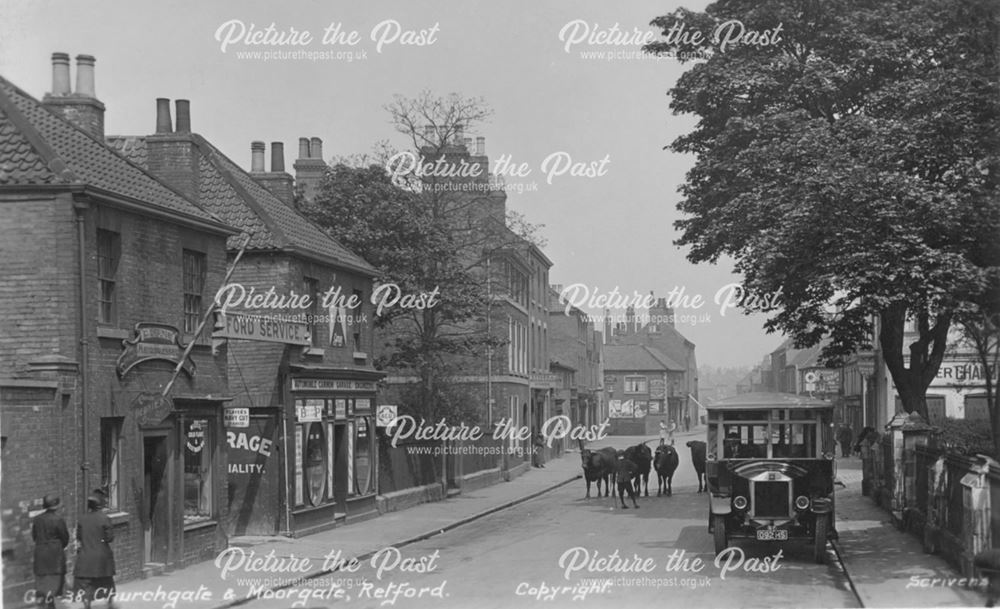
x=539, y=447
x=671, y=430
x=49, y=532
x=687, y=421
x=95, y=562
x=845, y=436
x=663, y=432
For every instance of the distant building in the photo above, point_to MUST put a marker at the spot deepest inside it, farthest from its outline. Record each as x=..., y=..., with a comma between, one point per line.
x=575, y=357
x=656, y=329
x=643, y=387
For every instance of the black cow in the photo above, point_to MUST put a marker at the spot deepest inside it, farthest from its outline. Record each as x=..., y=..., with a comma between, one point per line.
x=626, y=471
x=598, y=465
x=665, y=462
x=698, y=460
x=643, y=459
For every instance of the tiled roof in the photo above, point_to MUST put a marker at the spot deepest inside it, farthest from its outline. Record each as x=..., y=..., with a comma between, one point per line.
x=39, y=147
x=236, y=197
x=637, y=357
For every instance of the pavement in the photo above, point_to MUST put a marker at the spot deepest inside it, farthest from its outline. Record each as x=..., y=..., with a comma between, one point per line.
x=887, y=567
x=884, y=565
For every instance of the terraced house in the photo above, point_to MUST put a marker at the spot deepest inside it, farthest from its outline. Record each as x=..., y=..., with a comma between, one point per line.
x=301, y=437
x=105, y=380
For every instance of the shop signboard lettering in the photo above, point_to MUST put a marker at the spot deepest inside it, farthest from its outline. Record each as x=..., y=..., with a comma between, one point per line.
x=386, y=415
x=266, y=328
x=153, y=341
x=236, y=417
x=963, y=373
x=309, y=411
x=314, y=384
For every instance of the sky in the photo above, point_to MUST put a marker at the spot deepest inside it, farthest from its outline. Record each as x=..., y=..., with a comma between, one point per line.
x=572, y=100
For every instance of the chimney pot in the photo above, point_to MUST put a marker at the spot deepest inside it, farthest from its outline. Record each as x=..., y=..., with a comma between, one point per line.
x=316, y=148
x=183, y=115
x=257, y=157
x=60, y=74
x=480, y=146
x=85, y=76
x=163, y=122
x=277, y=157
x=303, y=148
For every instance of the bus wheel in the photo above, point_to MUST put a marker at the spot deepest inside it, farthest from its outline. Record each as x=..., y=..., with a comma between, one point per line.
x=719, y=529
x=822, y=526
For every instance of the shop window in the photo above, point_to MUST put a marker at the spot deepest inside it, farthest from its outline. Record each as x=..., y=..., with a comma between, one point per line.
x=108, y=256
x=198, y=473
x=362, y=456
x=314, y=450
x=315, y=464
x=194, y=287
x=635, y=384
x=111, y=445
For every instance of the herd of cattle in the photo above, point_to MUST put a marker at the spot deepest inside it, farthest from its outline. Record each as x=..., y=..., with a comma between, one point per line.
x=630, y=468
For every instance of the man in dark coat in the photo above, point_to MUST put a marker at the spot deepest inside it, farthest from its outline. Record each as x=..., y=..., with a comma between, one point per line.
x=48, y=531
x=95, y=563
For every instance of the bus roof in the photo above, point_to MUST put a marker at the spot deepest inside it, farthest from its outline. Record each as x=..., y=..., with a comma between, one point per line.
x=758, y=401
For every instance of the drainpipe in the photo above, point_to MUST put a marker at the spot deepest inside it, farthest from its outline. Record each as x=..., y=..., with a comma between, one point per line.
x=80, y=206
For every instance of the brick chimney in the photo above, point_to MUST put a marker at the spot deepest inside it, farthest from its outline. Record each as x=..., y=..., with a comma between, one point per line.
x=82, y=108
x=310, y=166
x=278, y=181
x=173, y=156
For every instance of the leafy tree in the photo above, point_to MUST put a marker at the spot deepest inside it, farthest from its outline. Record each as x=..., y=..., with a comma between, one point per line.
x=424, y=236
x=851, y=163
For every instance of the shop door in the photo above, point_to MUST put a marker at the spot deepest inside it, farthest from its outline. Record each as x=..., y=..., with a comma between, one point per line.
x=156, y=495
x=253, y=477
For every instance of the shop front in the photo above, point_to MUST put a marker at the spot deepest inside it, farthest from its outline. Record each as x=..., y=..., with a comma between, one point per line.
x=162, y=449
x=331, y=447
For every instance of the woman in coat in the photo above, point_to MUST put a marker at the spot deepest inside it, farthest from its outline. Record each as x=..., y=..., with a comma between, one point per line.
x=48, y=531
x=95, y=563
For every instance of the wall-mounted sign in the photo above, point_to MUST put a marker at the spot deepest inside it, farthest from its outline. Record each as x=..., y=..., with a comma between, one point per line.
x=307, y=384
x=362, y=406
x=340, y=408
x=151, y=408
x=266, y=328
x=657, y=389
x=153, y=341
x=236, y=417
x=386, y=414
x=309, y=412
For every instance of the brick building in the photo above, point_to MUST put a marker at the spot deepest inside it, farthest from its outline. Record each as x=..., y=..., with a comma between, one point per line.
x=107, y=273
x=575, y=349
x=304, y=458
x=640, y=382
x=656, y=328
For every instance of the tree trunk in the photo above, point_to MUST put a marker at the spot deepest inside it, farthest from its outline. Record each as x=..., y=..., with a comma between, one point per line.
x=926, y=353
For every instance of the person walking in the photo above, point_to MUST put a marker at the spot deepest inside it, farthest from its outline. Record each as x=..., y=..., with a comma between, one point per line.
x=95, y=562
x=663, y=432
x=539, y=447
x=687, y=421
x=49, y=532
x=670, y=431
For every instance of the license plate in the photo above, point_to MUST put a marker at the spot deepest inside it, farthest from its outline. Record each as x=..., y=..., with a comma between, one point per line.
x=772, y=534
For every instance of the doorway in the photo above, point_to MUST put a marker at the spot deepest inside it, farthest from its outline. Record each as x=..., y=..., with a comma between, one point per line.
x=156, y=493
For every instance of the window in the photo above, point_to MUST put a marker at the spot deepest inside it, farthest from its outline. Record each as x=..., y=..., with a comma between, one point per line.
x=194, y=286
x=310, y=286
x=314, y=449
x=359, y=346
x=108, y=256
x=635, y=384
x=198, y=474
x=111, y=445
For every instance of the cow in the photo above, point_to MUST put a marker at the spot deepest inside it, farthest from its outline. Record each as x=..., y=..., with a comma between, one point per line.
x=698, y=460
x=626, y=472
x=665, y=462
x=643, y=459
x=598, y=465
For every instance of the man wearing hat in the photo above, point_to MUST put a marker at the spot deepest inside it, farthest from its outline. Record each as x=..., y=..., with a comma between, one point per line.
x=48, y=531
x=95, y=562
